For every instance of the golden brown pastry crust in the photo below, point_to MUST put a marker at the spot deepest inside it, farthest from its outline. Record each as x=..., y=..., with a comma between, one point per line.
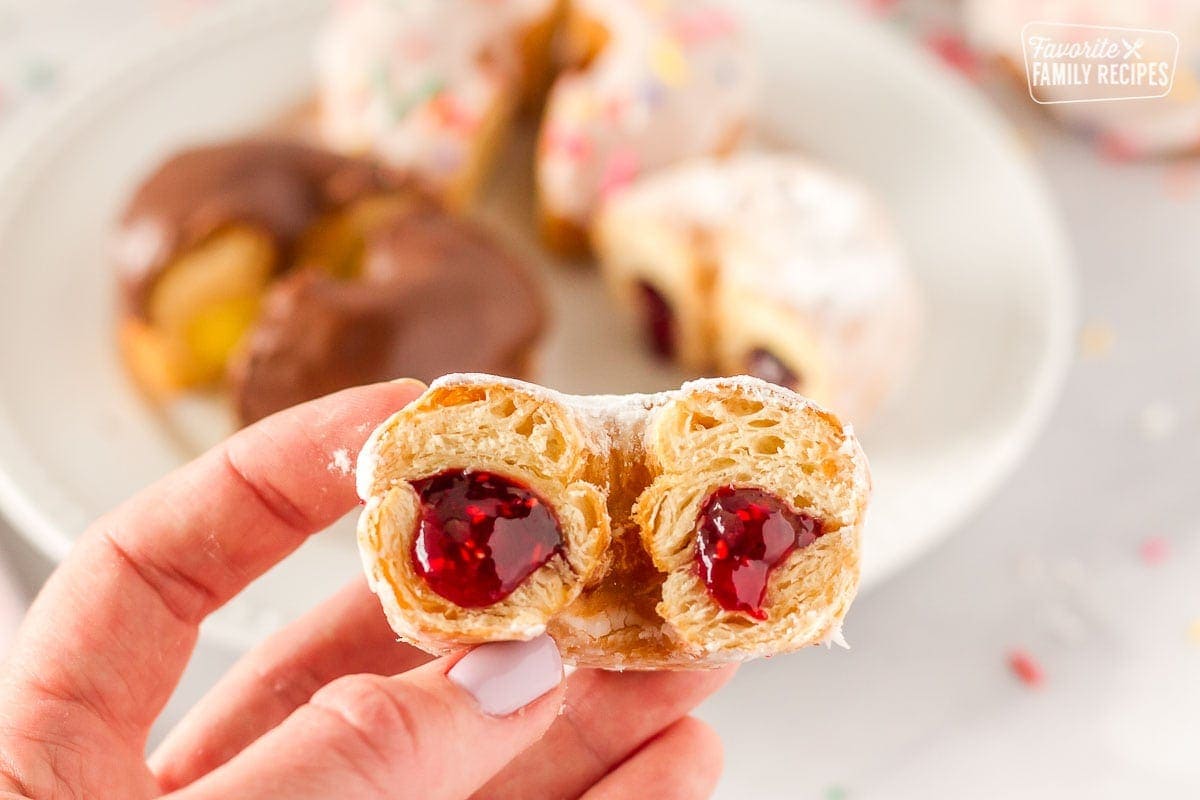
x=625, y=477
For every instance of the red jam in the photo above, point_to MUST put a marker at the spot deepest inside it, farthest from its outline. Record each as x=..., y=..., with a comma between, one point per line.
x=480, y=535
x=743, y=534
x=762, y=363
x=660, y=322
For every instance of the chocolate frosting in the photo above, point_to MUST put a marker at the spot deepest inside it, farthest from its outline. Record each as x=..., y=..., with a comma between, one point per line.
x=437, y=294
x=280, y=187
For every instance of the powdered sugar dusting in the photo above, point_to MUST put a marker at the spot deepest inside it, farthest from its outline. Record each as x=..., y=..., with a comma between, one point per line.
x=368, y=460
x=340, y=463
x=623, y=417
x=782, y=224
x=835, y=636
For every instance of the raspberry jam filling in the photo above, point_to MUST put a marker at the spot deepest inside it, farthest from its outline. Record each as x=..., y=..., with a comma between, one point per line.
x=659, y=321
x=762, y=363
x=480, y=535
x=744, y=533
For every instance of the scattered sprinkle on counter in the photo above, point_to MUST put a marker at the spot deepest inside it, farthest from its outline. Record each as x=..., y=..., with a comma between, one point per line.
x=1096, y=340
x=1026, y=668
x=1154, y=550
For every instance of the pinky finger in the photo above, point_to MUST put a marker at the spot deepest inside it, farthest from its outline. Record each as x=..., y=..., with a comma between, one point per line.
x=681, y=763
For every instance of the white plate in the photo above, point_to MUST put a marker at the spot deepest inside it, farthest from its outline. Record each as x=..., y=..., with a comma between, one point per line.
x=75, y=438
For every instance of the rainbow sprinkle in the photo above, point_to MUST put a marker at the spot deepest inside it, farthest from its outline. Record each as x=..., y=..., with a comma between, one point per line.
x=401, y=107
x=1026, y=668
x=1154, y=550
x=652, y=94
x=451, y=114
x=571, y=144
x=1096, y=340
x=696, y=26
x=954, y=52
x=620, y=171
x=668, y=63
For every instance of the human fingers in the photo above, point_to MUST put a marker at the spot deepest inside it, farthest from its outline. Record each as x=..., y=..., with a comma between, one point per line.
x=681, y=763
x=437, y=732
x=106, y=640
x=346, y=634
x=607, y=716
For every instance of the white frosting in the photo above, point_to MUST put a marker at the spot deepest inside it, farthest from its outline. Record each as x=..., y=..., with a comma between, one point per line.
x=412, y=80
x=368, y=463
x=1140, y=126
x=674, y=79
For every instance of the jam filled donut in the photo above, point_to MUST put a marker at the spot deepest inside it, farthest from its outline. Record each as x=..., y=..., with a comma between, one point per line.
x=203, y=236
x=651, y=83
x=1164, y=125
x=433, y=292
x=716, y=523
x=768, y=265
x=430, y=86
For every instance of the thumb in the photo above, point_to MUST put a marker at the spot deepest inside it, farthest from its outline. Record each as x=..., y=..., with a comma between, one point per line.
x=439, y=731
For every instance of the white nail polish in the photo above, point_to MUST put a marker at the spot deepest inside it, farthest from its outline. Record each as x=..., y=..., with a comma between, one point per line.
x=506, y=676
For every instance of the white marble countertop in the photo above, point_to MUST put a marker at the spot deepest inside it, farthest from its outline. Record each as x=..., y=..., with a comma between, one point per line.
x=1086, y=560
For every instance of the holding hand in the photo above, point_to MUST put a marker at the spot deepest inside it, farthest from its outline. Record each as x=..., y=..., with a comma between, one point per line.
x=329, y=707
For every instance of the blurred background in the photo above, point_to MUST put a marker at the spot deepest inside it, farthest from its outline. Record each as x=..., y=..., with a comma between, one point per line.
x=1051, y=646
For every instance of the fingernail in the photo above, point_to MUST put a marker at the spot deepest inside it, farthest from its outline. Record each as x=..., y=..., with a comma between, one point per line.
x=506, y=676
x=412, y=382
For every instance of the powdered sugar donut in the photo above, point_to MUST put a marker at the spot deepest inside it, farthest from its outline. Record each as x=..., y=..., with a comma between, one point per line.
x=657, y=82
x=719, y=522
x=769, y=265
x=1168, y=124
x=430, y=85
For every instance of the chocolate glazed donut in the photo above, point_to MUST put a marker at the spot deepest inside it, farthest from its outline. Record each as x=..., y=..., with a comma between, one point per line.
x=292, y=272
x=435, y=294
x=204, y=235
x=279, y=188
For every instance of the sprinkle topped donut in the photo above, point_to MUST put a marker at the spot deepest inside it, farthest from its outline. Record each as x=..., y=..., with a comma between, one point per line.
x=427, y=84
x=658, y=80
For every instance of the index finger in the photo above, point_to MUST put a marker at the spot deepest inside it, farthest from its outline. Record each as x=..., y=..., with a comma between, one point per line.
x=114, y=626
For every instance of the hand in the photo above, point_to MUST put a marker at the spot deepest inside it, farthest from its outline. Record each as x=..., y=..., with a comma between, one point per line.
x=329, y=707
